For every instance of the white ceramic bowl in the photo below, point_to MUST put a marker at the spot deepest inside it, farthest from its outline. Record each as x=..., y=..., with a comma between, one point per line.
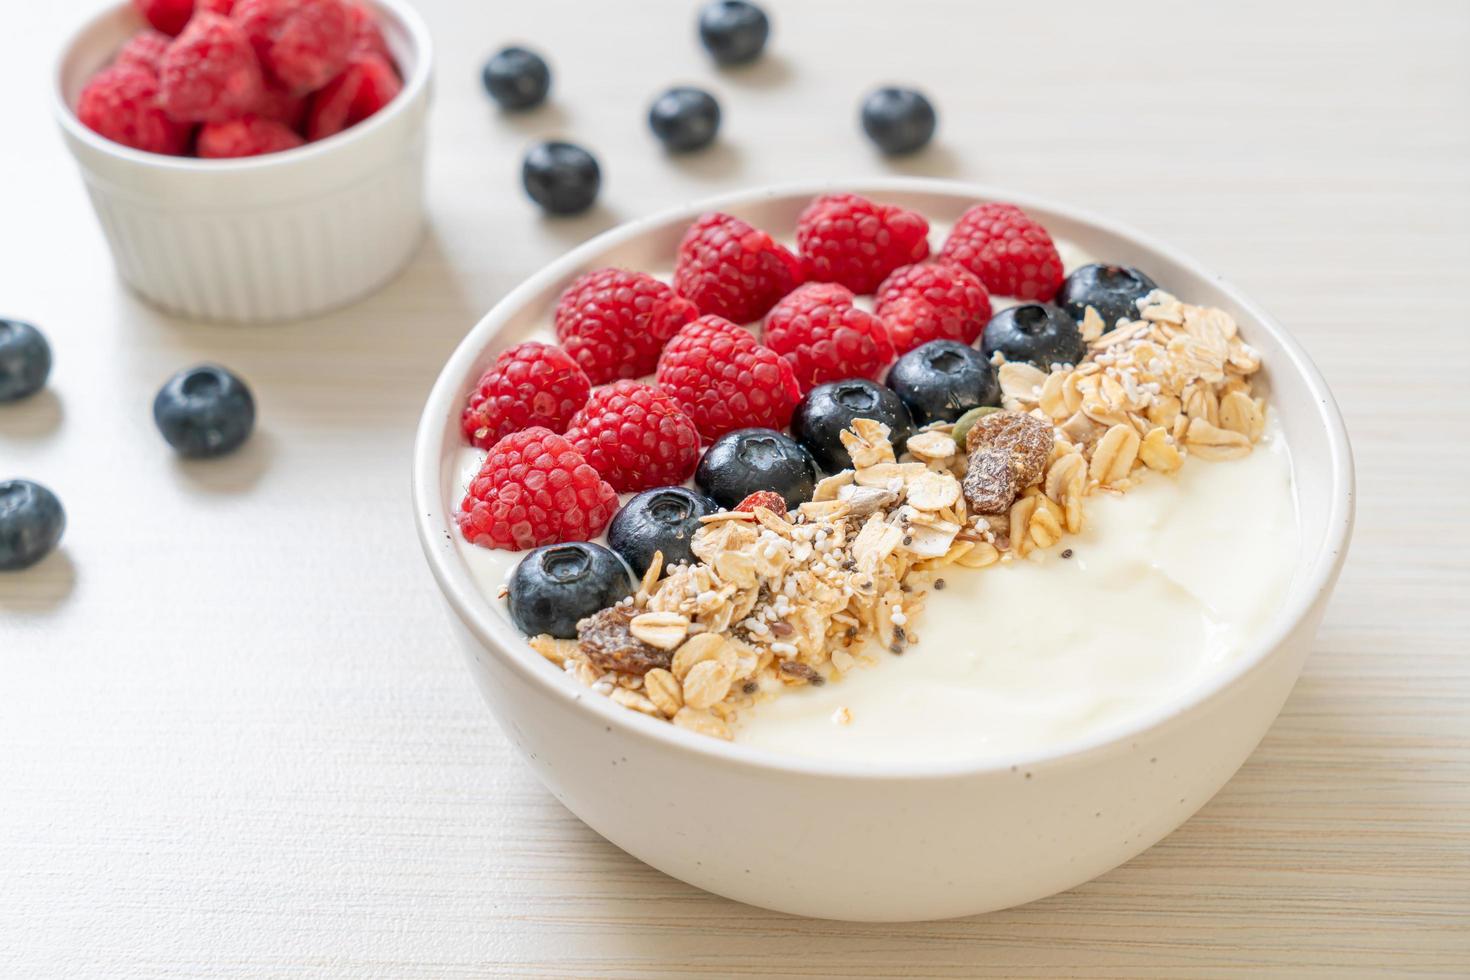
x=262, y=238
x=878, y=842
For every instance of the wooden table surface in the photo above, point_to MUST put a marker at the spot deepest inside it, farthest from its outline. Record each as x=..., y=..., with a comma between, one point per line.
x=235, y=738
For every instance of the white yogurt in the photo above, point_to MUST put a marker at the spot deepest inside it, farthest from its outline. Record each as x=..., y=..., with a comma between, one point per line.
x=1166, y=585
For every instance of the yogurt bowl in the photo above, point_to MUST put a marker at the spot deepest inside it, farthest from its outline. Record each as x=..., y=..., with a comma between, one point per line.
x=893, y=837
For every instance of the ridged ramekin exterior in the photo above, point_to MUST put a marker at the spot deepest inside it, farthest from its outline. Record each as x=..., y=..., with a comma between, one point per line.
x=268, y=238
x=271, y=263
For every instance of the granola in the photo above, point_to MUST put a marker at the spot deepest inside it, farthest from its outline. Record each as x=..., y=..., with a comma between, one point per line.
x=776, y=601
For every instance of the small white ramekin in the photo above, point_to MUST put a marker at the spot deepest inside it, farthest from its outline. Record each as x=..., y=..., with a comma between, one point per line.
x=264, y=238
x=879, y=841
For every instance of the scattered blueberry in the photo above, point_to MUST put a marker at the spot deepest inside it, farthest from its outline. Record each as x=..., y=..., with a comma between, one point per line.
x=517, y=78
x=746, y=460
x=734, y=31
x=204, y=411
x=685, y=118
x=830, y=408
x=663, y=519
x=899, y=120
x=25, y=360
x=1038, y=333
x=31, y=522
x=1109, y=289
x=941, y=380
x=555, y=586
x=561, y=177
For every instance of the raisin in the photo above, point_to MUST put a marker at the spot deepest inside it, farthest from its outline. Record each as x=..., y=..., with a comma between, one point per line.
x=1024, y=434
x=609, y=644
x=989, y=484
x=1008, y=453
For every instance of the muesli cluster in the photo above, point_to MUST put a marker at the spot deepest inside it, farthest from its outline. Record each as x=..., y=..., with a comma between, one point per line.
x=1174, y=382
x=780, y=600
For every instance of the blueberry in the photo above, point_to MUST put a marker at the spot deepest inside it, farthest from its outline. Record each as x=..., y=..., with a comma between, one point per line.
x=734, y=31
x=899, y=120
x=561, y=177
x=830, y=408
x=25, y=360
x=1109, y=289
x=663, y=519
x=746, y=460
x=204, y=411
x=517, y=78
x=942, y=380
x=685, y=119
x=555, y=586
x=1038, y=333
x=31, y=522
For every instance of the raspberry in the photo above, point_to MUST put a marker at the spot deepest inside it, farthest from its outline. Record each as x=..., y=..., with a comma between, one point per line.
x=367, y=36
x=303, y=44
x=824, y=337
x=222, y=7
x=121, y=103
x=725, y=380
x=365, y=86
x=209, y=73
x=168, y=16
x=769, y=499
x=1011, y=254
x=615, y=322
x=534, y=488
x=278, y=104
x=529, y=384
x=850, y=240
x=144, y=50
x=933, y=301
x=732, y=270
x=248, y=136
x=636, y=436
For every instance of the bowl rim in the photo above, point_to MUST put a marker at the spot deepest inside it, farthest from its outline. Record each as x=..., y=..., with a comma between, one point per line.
x=500, y=638
x=409, y=18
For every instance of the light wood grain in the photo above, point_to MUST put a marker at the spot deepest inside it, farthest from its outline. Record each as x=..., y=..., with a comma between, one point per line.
x=235, y=740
